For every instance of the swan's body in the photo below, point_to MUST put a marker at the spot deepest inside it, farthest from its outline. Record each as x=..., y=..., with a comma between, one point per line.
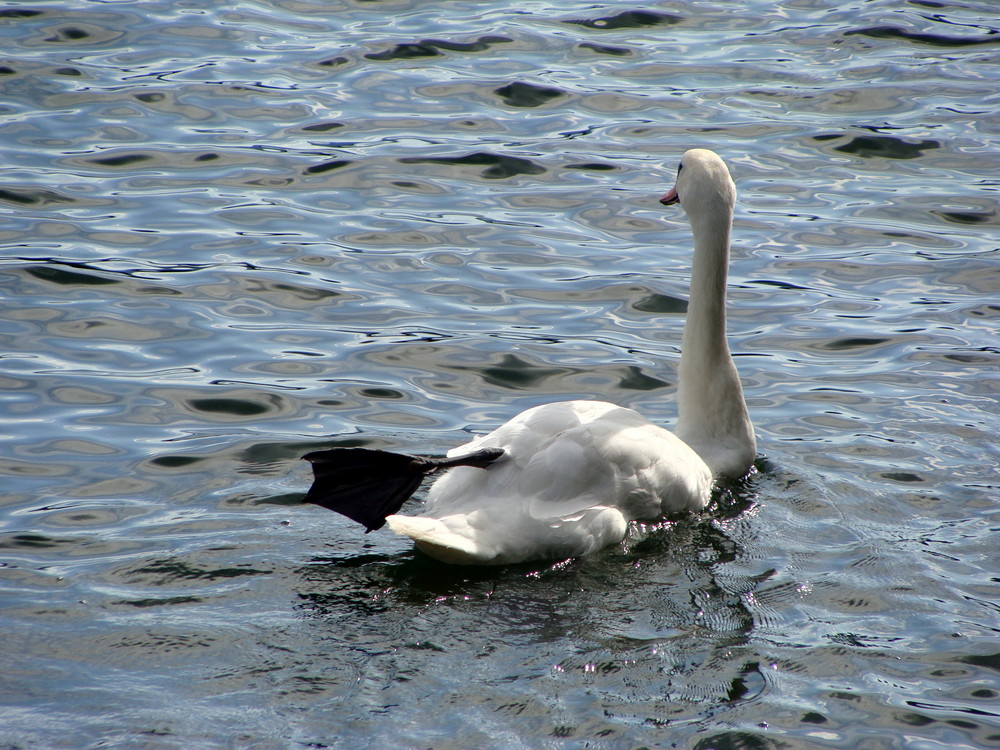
x=573, y=474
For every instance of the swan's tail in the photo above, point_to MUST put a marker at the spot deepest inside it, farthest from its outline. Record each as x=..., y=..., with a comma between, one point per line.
x=435, y=538
x=368, y=485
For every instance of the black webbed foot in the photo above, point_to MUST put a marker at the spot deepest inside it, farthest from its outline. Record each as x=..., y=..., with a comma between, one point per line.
x=367, y=485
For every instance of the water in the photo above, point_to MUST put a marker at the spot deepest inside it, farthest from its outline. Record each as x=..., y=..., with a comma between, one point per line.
x=234, y=234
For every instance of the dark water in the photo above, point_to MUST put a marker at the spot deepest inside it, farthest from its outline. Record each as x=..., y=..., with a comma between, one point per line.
x=233, y=233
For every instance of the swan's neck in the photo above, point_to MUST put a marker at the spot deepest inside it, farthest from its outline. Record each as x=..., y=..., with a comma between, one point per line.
x=713, y=415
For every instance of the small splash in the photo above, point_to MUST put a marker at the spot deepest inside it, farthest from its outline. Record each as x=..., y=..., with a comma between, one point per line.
x=884, y=147
x=434, y=48
x=33, y=196
x=934, y=40
x=528, y=95
x=498, y=166
x=629, y=19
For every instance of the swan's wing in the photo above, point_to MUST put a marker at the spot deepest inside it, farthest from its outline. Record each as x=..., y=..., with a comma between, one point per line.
x=562, y=460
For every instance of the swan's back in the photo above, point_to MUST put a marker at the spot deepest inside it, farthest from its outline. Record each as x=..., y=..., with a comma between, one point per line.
x=572, y=476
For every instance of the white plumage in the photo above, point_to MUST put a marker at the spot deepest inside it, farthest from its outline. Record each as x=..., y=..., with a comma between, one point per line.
x=572, y=476
x=575, y=473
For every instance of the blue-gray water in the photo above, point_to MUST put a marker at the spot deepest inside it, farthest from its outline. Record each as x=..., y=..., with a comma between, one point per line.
x=234, y=233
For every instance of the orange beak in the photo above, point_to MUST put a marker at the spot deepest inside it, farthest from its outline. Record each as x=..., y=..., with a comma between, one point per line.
x=670, y=198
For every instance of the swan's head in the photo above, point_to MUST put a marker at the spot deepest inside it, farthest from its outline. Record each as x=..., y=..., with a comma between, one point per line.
x=703, y=179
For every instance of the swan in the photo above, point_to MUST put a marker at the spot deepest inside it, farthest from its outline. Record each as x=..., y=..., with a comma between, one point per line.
x=565, y=479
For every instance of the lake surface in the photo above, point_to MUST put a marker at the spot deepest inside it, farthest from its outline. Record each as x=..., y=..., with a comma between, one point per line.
x=235, y=233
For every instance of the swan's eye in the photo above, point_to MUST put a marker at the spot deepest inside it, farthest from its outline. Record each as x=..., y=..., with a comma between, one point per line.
x=679, y=168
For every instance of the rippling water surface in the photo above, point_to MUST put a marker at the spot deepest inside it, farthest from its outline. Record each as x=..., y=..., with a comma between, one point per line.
x=234, y=233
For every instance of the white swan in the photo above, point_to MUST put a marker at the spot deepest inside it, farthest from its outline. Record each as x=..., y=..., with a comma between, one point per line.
x=564, y=479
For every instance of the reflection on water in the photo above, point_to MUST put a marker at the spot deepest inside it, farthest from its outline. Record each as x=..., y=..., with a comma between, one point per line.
x=582, y=644
x=238, y=234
